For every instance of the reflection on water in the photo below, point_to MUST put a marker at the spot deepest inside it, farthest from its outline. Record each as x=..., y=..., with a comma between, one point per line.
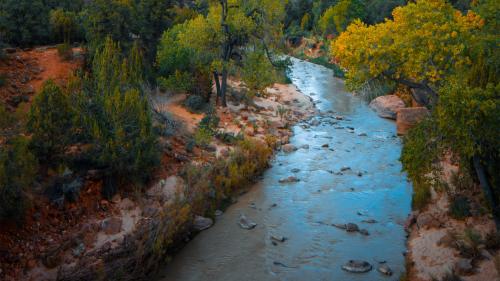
x=373, y=188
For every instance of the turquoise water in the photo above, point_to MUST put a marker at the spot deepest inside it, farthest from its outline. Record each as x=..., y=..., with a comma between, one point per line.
x=374, y=188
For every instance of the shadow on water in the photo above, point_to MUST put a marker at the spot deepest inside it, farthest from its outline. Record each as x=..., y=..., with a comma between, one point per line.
x=374, y=188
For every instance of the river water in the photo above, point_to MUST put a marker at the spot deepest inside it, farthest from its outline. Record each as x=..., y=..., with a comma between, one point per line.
x=374, y=188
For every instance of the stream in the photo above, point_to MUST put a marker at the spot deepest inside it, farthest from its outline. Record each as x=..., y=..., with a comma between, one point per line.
x=374, y=188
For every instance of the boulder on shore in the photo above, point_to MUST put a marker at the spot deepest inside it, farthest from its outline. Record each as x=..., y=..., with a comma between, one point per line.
x=387, y=106
x=407, y=118
x=201, y=223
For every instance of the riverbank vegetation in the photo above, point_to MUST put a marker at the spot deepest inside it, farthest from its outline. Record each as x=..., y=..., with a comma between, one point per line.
x=458, y=79
x=96, y=119
x=83, y=129
x=446, y=54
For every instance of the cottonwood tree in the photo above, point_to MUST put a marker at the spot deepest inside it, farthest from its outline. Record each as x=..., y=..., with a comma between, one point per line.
x=64, y=22
x=424, y=43
x=338, y=17
x=229, y=32
x=451, y=57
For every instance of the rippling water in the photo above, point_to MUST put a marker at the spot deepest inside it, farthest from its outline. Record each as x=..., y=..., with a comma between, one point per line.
x=305, y=210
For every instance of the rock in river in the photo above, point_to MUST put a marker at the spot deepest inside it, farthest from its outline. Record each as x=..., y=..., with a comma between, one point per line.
x=201, y=223
x=287, y=148
x=245, y=223
x=387, y=106
x=357, y=266
x=278, y=238
x=384, y=269
x=290, y=179
x=364, y=232
x=351, y=227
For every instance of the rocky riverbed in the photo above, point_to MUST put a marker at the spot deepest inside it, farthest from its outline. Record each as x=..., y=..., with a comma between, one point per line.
x=333, y=203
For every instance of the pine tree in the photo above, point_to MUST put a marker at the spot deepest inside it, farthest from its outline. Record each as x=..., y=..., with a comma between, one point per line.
x=50, y=122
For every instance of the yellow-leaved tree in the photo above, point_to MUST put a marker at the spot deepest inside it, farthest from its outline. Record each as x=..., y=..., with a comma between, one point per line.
x=426, y=41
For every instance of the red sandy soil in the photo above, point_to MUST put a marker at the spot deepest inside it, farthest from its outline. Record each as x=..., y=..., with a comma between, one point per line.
x=23, y=244
x=26, y=71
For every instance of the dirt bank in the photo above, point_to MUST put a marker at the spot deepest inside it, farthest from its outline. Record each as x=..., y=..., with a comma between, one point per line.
x=440, y=245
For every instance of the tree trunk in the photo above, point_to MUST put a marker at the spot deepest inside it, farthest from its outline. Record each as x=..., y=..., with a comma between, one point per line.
x=224, y=87
x=217, y=87
x=488, y=191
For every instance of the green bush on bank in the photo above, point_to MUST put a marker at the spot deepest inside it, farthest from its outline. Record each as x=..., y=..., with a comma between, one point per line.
x=219, y=180
x=18, y=168
x=420, y=150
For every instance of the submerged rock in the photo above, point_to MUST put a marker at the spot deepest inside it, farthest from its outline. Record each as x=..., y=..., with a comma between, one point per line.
x=201, y=223
x=364, y=232
x=357, y=266
x=245, y=223
x=351, y=227
x=385, y=269
x=290, y=179
x=278, y=238
x=287, y=148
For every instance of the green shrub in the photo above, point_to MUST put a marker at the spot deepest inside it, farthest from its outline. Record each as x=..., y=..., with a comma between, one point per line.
x=115, y=119
x=420, y=151
x=50, y=122
x=421, y=197
x=459, y=207
x=468, y=245
x=219, y=180
x=65, y=51
x=195, y=103
x=229, y=138
x=123, y=137
x=203, y=137
x=18, y=168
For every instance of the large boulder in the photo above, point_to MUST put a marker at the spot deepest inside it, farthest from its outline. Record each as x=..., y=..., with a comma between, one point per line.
x=407, y=118
x=201, y=223
x=387, y=106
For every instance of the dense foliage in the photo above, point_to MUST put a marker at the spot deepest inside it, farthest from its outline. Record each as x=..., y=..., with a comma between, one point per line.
x=224, y=40
x=115, y=118
x=50, y=123
x=450, y=56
